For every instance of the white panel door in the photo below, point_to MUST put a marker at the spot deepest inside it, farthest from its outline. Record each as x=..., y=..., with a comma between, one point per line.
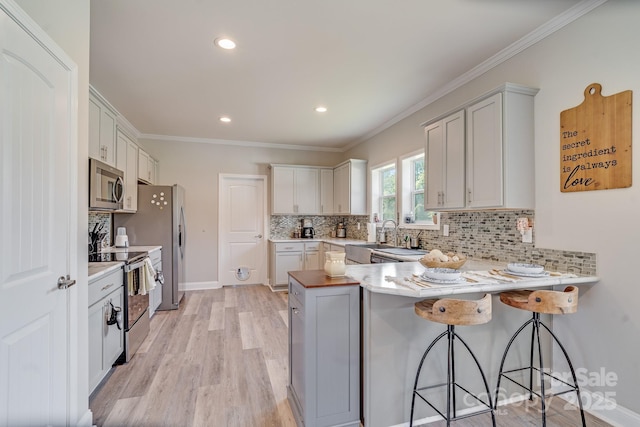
x=37, y=161
x=242, y=251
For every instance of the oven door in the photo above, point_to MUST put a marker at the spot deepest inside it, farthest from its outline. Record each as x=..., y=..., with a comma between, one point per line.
x=106, y=186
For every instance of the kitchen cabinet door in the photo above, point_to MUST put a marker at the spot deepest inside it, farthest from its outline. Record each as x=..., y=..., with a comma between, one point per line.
x=285, y=262
x=143, y=166
x=350, y=187
x=102, y=131
x=127, y=161
x=326, y=191
x=295, y=190
x=95, y=325
x=500, y=142
x=306, y=184
x=445, y=160
x=484, y=153
x=113, y=336
x=312, y=260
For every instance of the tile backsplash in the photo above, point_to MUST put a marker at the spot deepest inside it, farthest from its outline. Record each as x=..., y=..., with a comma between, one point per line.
x=101, y=218
x=490, y=235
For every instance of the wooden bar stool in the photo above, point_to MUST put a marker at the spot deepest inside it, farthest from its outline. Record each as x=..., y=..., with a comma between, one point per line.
x=453, y=312
x=547, y=302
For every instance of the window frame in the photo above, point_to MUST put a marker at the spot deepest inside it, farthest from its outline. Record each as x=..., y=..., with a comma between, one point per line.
x=408, y=190
x=377, y=190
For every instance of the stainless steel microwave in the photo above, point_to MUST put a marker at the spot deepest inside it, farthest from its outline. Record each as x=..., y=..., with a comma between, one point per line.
x=106, y=186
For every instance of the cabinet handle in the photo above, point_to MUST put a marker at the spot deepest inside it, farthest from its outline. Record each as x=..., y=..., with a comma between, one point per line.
x=469, y=195
x=104, y=288
x=295, y=310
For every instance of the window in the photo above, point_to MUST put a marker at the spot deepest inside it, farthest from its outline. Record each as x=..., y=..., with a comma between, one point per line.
x=383, y=189
x=413, y=186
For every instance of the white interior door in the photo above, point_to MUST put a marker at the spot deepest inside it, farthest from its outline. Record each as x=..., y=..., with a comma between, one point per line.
x=37, y=133
x=242, y=248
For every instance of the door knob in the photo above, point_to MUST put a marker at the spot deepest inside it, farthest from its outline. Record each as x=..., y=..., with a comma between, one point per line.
x=65, y=282
x=259, y=236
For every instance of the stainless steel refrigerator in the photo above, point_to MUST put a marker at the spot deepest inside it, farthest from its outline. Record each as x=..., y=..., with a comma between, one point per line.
x=160, y=220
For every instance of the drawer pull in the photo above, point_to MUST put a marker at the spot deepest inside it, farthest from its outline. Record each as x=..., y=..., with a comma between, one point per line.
x=104, y=288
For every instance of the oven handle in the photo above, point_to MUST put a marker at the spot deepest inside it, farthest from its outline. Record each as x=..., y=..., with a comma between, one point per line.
x=134, y=266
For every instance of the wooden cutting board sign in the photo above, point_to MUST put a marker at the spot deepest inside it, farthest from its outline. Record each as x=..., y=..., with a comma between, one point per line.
x=595, y=142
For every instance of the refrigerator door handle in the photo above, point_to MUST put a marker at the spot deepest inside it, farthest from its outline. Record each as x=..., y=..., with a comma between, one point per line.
x=182, y=231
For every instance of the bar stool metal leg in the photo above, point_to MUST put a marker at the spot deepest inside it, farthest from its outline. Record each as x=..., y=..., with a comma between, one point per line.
x=535, y=340
x=451, y=385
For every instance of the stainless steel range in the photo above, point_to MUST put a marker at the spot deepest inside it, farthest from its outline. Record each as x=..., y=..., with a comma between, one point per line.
x=136, y=304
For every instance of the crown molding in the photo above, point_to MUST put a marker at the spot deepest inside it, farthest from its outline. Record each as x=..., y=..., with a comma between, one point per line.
x=236, y=143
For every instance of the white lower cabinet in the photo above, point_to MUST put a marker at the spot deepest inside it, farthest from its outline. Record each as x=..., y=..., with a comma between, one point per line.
x=293, y=256
x=324, y=355
x=105, y=341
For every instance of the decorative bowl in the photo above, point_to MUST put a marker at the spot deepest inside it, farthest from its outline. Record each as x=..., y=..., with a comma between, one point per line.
x=443, y=264
x=518, y=267
x=442, y=274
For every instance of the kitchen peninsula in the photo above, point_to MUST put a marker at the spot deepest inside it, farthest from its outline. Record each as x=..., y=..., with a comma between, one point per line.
x=393, y=337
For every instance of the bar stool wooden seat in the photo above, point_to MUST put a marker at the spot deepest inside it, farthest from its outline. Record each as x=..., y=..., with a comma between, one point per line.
x=545, y=302
x=452, y=312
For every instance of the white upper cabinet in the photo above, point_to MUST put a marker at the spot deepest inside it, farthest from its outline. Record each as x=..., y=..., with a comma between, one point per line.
x=147, y=168
x=326, y=191
x=102, y=130
x=295, y=190
x=500, y=150
x=484, y=153
x=482, y=156
x=127, y=161
x=444, y=161
x=350, y=187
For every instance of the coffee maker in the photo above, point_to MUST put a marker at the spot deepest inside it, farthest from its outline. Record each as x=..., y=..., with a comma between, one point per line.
x=307, y=229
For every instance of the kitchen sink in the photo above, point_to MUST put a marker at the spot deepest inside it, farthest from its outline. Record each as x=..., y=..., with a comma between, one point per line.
x=361, y=254
x=376, y=246
x=402, y=251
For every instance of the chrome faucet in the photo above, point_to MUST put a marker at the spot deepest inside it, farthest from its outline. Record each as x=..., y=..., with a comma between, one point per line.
x=395, y=231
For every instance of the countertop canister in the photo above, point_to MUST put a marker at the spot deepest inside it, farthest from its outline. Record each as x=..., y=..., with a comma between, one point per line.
x=334, y=264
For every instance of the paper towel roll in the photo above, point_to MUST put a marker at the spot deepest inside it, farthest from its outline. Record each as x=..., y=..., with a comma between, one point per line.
x=371, y=232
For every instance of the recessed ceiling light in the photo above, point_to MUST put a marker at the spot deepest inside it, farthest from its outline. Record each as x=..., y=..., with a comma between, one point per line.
x=321, y=109
x=225, y=119
x=225, y=43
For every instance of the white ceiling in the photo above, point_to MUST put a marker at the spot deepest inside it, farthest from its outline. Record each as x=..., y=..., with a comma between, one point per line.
x=370, y=62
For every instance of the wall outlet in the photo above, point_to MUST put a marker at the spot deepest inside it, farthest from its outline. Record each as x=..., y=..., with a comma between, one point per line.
x=445, y=230
x=527, y=236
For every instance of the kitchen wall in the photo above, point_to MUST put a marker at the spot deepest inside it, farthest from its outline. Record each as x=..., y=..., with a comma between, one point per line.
x=600, y=47
x=196, y=166
x=67, y=23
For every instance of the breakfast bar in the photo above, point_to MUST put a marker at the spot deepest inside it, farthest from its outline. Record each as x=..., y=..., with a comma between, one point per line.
x=394, y=337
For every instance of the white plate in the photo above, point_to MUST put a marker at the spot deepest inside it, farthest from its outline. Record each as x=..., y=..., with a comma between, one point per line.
x=517, y=273
x=447, y=274
x=442, y=282
x=519, y=267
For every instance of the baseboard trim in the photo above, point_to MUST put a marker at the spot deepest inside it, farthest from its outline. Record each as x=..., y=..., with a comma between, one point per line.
x=200, y=286
x=86, y=420
x=607, y=410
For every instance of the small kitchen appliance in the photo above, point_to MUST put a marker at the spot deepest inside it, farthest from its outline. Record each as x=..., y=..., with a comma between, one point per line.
x=341, y=231
x=122, y=240
x=106, y=187
x=307, y=229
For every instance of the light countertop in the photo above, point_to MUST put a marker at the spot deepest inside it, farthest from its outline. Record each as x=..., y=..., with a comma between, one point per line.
x=332, y=240
x=99, y=269
x=113, y=249
x=390, y=278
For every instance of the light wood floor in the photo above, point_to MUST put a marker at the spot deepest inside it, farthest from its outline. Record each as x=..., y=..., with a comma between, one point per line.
x=221, y=360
